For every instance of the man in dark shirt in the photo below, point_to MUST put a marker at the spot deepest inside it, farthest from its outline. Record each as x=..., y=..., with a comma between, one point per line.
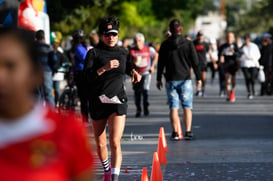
x=228, y=56
x=266, y=61
x=44, y=51
x=202, y=49
x=177, y=55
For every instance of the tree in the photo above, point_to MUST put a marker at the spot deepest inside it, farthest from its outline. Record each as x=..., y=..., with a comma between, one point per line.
x=150, y=17
x=258, y=19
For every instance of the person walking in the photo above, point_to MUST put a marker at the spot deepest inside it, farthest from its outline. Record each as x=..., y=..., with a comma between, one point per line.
x=59, y=59
x=177, y=55
x=44, y=52
x=249, y=59
x=202, y=48
x=36, y=143
x=228, y=58
x=266, y=61
x=105, y=67
x=79, y=53
x=141, y=56
x=213, y=63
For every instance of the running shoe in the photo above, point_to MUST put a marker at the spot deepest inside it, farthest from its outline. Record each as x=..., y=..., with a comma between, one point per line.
x=174, y=136
x=232, y=97
x=107, y=176
x=228, y=99
x=189, y=135
x=250, y=96
x=203, y=93
x=222, y=93
x=138, y=114
x=198, y=93
x=146, y=111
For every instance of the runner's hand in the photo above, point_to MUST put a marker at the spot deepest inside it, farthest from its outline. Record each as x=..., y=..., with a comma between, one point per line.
x=136, y=77
x=112, y=64
x=152, y=69
x=159, y=85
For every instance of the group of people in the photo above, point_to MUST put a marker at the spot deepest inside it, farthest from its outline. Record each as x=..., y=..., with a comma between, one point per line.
x=43, y=140
x=231, y=57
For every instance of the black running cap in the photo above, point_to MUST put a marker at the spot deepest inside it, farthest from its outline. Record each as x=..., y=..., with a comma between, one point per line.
x=110, y=28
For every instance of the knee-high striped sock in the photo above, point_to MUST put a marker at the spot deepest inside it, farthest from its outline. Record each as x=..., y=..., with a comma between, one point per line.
x=106, y=165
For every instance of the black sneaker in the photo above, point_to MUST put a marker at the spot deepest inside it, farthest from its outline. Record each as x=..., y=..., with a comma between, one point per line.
x=189, y=136
x=198, y=93
x=146, y=112
x=174, y=136
x=138, y=114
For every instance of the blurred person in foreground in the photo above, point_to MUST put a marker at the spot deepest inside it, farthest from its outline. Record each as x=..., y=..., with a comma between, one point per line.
x=177, y=55
x=35, y=143
x=141, y=56
x=228, y=59
x=105, y=67
x=249, y=59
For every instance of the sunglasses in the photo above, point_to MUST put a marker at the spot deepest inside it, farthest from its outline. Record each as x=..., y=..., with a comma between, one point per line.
x=111, y=34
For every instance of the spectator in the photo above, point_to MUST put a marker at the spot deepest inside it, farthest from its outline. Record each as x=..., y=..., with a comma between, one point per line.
x=80, y=51
x=202, y=48
x=44, y=52
x=141, y=56
x=93, y=38
x=35, y=143
x=266, y=62
x=59, y=59
x=177, y=55
x=250, y=55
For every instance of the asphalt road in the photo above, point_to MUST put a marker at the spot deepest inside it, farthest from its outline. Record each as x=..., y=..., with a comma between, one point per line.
x=234, y=141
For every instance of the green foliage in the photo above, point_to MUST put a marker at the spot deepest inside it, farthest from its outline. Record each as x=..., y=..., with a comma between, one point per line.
x=85, y=18
x=257, y=20
x=151, y=17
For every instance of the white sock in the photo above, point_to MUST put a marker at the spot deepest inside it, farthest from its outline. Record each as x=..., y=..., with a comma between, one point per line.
x=115, y=171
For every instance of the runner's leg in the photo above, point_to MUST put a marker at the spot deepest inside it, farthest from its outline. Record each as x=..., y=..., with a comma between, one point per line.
x=116, y=127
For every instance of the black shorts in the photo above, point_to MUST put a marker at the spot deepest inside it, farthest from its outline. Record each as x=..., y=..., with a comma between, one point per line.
x=203, y=67
x=231, y=67
x=99, y=111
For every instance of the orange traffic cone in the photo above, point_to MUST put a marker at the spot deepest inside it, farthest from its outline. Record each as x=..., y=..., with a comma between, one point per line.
x=156, y=174
x=144, y=176
x=161, y=152
x=162, y=135
x=179, y=130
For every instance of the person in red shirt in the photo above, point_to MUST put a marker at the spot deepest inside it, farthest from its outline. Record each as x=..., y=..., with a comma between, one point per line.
x=36, y=143
x=144, y=58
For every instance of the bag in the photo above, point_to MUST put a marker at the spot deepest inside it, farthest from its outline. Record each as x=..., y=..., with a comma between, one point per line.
x=261, y=75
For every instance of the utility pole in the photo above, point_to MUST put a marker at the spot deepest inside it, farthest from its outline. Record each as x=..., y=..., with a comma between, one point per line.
x=223, y=8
